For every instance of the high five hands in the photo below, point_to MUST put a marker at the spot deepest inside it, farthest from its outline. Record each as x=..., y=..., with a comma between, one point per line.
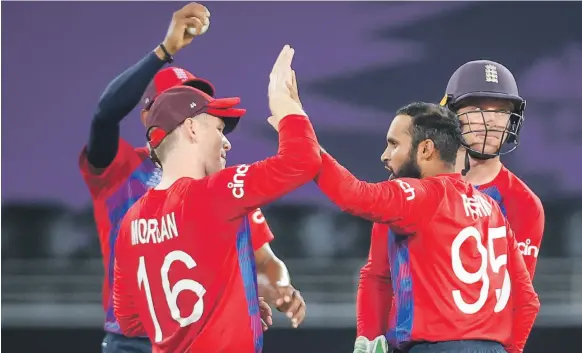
x=283, y=93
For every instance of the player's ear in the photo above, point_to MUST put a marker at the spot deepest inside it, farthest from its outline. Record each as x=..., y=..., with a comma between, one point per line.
x=426, y=150
x=191, y=129
x=143, y=116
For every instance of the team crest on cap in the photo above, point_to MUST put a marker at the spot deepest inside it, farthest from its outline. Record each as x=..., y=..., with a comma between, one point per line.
x=491, y=73
x=180, y=74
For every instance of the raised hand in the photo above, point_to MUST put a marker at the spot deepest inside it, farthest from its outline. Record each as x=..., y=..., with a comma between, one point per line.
x=190, y=21
x=281, y=101
x=294, y=90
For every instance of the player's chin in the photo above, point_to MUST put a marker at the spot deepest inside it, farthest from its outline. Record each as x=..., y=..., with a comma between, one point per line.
x=392, y=174
x=214, y=168
x=490, y=147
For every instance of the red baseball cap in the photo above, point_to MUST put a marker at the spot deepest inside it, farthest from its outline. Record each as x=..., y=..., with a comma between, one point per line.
x=171, y=77
x=179, y=103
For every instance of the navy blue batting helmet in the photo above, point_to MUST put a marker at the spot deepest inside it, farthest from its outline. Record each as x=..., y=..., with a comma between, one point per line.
x=485, y=79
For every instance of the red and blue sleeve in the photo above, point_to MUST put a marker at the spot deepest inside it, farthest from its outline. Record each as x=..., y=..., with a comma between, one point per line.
x=375, y=293
x=260, y=232
x=526, y=304
x=102, y=181
x=239, y=190
x=404, y=203
x=124, y=305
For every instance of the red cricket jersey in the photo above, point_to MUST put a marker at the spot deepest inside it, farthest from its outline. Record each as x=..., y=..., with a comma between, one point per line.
x=114, y=191
x=451, y=255
x=523, y=210
x=186, y=270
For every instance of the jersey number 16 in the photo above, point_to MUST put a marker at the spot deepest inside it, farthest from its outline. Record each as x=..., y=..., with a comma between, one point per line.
x=171, y=293
x=488, y=257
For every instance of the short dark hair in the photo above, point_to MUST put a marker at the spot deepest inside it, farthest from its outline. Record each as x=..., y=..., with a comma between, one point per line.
x=434, y=122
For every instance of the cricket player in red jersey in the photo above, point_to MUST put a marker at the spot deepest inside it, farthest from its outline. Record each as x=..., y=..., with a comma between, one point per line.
x=118, y=174
x=459, y=281
x=485, y=96
x=185, y=271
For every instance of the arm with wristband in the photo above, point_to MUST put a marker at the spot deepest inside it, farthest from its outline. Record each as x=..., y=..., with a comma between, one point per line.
x=118, y=99
x=125, y=91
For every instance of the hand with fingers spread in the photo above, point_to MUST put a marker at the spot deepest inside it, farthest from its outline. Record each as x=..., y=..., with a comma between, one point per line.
x=190, y=21
x=291, y=303
x=281, y=100
x=266, y=314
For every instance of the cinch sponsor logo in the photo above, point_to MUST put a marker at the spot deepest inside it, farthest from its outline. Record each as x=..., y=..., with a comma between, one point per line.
x=238, y=182
x=528, y=250
x=408, y=190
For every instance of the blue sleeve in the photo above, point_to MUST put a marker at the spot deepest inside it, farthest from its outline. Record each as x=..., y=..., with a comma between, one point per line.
x=117, y=101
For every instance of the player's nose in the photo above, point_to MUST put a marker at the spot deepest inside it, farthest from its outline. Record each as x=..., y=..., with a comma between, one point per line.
x=384, y=157
x=386, y=162
x=489, y=118
x=226, y=144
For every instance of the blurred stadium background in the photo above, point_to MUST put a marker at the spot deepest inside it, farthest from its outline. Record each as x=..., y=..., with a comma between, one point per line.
x=356, y=63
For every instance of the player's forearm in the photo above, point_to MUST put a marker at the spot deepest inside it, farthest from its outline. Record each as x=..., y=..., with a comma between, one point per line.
x=524, y=316
x=298, y=159
x=526, y=304
x=350, y=194
x=296, y=163
x=131, y=326
x=124, y=312
x=270, y=273
x=119, y=98
x=532, y=246
x=338, y=184
x=123, y=304
x=373, y=303
x=126, y=90
x=531, y=264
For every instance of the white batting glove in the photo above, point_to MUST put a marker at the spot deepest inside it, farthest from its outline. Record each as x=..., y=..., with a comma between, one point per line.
x=377, y=345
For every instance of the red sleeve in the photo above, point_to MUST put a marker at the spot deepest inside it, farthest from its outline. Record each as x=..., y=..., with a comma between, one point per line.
x=526, y=304
x=529, y=229
x=260, y=232
x=374, y=298
x=239, y=190
x=124, y=306
x=404, y=203
x=100, y=182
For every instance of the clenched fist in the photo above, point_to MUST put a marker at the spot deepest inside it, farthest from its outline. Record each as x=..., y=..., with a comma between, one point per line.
x=190, y=21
